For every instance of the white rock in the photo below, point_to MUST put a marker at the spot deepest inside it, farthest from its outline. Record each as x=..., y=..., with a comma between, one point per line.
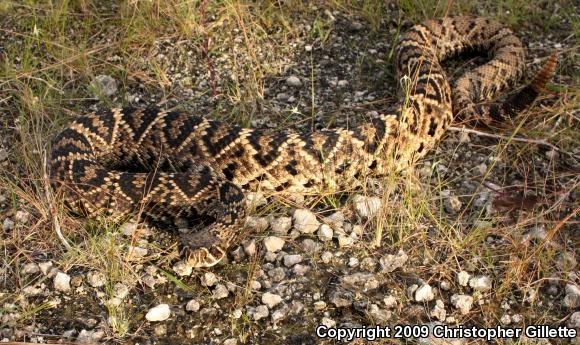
x=424, y=293
x=231, y=341
x=192, y=305
x=8, y=224
x=451, y=202
x=104, y=85
x=273, y=243
x=390, y=301
x=328, y=322
x=445, y=285
x=572, y=298
x=326, y=257
x=160, y=312
x=261, y=312
x=128, y=228
x=120, y=290
x=480, y=283
x=439, y=311
x=353, y=262
x=391, y=262
x=22, y=217
x=463, y=278
x=271, y=300
x=366, y=207
x=305, y=221
x=136, y=253
x=221, y=291
x=506, y=319
x=209, y=279
x=342, y=83
x=182, y=268
x=259, y=224
x=293, y=81
x=574, y=320
x=291, y=260
x=96, y=279
x=30, y=268
x=281, y=225
x=325, y=233
x=250, y=247
x=345, y=241
x=62, y=281
x=462, y=302
x=319, y=305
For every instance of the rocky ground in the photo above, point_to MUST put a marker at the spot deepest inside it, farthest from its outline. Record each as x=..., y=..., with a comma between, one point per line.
x=484, y=232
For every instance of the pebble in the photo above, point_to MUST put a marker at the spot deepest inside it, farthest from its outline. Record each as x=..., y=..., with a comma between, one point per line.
x=281, y=225
x=342, y=83
x=463, y=278
x=209, y=279
x=325, y=233
x=22, y=217
x=506, y=319
x=120, y=290
x=260, y=312
x=282, y=97
x=445, y=285
x=480, y=283
x=341, y=299
x=45, y=267
x=355, y=281
x=366, y=207
x=301, y=270
x=277, y=274
x=221, y=291
x=380, y=315
x=319, y=305
x=250, y=247
x=566, y=261
x=136, y=253
x=462, y=302
x=326, y=257
x=345, y=241
x=291, y=260
x=231, y=341
x=62, y=281
x=293, y=81
x=96, y=279
x=259, y=224
x=309, y=246
x=424, y=293
x=439, y=311
x=89, y=337
x=353, y=262
x=160, y=312
x=128, y=228
x=368, y=264
x=305, y=221
x=273, y=243
x=30, y=268
x=182, y=268
x=390, y=301
x=574, y=320
x=391, y=262
x=271, y=300
x=104, y=85
x=572, y=298
x=192, y=305
x=8, y=224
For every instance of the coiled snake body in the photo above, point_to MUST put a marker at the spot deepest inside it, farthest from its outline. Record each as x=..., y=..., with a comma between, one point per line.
x=174, y=163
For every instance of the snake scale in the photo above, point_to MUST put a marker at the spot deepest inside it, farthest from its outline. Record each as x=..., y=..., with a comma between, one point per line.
x=174, y=164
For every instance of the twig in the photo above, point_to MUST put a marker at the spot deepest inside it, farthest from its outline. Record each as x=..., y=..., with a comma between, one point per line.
x=540, y=142
x=52, y=208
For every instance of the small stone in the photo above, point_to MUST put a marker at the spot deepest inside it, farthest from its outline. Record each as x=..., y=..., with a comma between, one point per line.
x=192, y=305
x=261, y=312
x=390, y=301
x=342, y=83
x=341, y=299
x=309, y=246
x=120, y=290
x=291, y=260
x=271, y=300
x=301, y=270
x=325, y=233
x=319, y=305
x=238, y=254
x=104, y=85
x=464, y=137
x=462, y=302
x=8, y=224
x=305, y=221
x=353, y=262
x=277, y=274
x=356, y=281
x=22, y=217
x=439, y=311
x=480, y=283
x=30, y=268
x=293, y=81
x=380, y=315
x=517, y=318
x=259, y=224
x=445, y=285
x=574, y=320
x=45, y=267
x=281, y=225
x=572, y=298
x=231, y=341
x=366, y=207
x=255, y=199
x=326, y=257
x=368, y=264
x=424, y=293
x=250, y=247
x=282, y=97
x=463, y=278
x=221, y=291
x=308, y=48
x=505, y=319
x=273, y=243
x=236, y=314
x=209, y=279
x=160, y=312
x=89, y=337
x=345, y=241
x=96, y=279
x=62, y=281
x=391, y=262
x=566, y=261
x=328, y=322
x=128, y=228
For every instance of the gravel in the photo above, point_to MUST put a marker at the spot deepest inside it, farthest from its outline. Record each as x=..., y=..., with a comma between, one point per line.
x=274, y=244
x=62, y=281
x=462, y=302
x=271, y=300
x=480, y=283
x=305, y=221
x=390, y=262
x=160, y=312
x=424, y=293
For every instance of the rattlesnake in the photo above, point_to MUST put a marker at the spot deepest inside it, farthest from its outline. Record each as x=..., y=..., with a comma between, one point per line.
x=169, y=163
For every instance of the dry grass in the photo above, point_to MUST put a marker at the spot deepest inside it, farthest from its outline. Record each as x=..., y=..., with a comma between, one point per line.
x=51, y=50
